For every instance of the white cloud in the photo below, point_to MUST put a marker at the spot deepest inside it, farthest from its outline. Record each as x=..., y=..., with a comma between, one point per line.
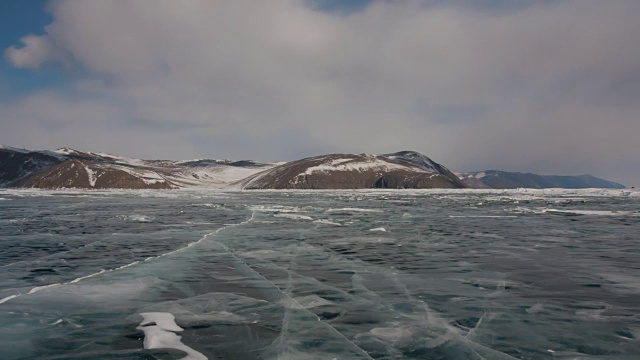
x=36, y=50
x=245, y=73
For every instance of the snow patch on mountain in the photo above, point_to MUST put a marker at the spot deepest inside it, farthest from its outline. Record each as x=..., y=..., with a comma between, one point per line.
x=417, y=160
x=355, y=165
x=10, y=148
x=340, y=161
x=64, y=151
x=91, y=174
x=204, y=162
x=67, y=152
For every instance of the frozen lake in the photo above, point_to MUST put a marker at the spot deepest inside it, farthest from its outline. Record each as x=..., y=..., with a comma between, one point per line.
x=432, y=274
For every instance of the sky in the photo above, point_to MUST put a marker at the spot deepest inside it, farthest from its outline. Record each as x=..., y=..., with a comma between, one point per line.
x=550, y=87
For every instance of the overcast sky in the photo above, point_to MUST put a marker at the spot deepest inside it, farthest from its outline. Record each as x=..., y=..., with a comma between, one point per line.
x=551, y=87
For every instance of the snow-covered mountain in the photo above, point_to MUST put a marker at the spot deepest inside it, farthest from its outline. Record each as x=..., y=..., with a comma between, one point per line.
x=69, y=168
x=405, y=169
x=494, y=179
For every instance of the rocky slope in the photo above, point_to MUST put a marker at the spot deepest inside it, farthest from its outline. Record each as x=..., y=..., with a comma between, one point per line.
x=402, y=170
x=68, y=168
x=17, y=165
x=494, y=179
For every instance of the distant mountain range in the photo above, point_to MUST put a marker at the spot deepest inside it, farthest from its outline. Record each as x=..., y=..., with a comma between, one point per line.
x=495, y=179
x=68, y=168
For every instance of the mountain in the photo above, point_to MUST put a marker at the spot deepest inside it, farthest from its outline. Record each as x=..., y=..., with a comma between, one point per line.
x=68, y=168
x=18, y=164
x=402, y=170
x=494, y=179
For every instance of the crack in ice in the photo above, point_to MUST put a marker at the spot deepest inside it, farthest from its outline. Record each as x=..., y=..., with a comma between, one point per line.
x=103, y=271
x=288, y=297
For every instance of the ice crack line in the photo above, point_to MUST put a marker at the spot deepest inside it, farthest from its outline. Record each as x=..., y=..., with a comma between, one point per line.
x=287, y=296
x=103, y=271
x=433, y=319
x=284, y=332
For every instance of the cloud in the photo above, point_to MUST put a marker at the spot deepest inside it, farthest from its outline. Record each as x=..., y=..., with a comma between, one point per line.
x=546, y=87
x=36, y=50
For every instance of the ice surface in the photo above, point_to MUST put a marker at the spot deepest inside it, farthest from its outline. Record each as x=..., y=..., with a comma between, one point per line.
x=3, y=300
x=352, y=210
x=276, y=209
x=482, y=216
x=592, y=212
x=450, y=279
x=165, y=321
x=378, y=229
x=89, y=276
x=38, y=288
x=294, y=216
x=327, y=222
x=136, y=217
x=160, y=335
